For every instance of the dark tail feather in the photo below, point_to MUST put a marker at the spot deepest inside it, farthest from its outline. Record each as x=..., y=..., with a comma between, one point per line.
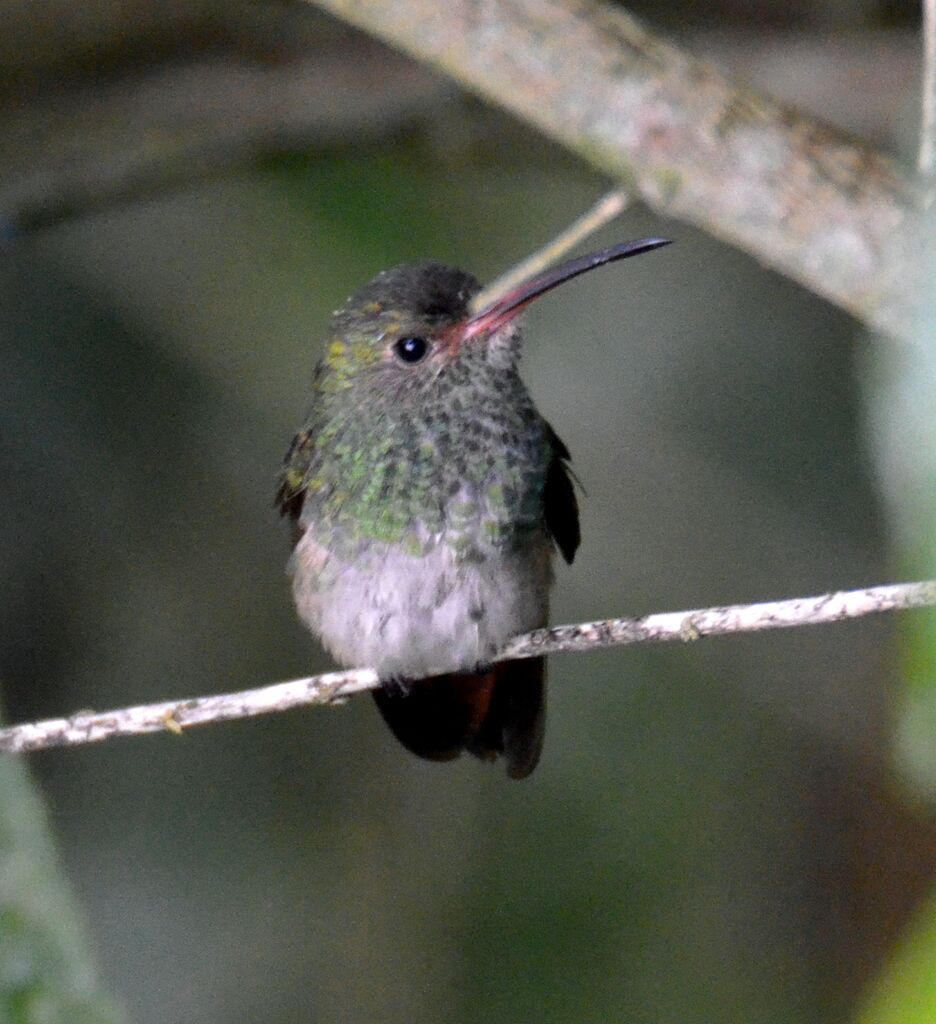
x=501, y=711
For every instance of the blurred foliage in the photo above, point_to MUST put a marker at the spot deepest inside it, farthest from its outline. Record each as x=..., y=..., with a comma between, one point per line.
x=46, y=971
x=902, y=402
x=906, y=991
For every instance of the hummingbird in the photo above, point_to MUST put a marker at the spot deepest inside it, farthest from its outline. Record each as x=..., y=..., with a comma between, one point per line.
x=427, y=497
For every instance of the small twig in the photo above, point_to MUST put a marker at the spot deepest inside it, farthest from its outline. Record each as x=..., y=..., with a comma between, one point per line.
x=603, y=212
x=925, y=156
x=175, y=716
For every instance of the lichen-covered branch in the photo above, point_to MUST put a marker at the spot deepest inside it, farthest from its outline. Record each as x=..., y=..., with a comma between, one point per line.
x=814, y=205
x=176, y=716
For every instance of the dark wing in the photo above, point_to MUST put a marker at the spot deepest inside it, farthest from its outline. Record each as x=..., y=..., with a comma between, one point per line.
x=561, y=508
x=290, y=489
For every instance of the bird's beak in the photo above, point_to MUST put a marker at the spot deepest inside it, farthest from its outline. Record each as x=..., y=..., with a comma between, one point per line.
x=505, y=308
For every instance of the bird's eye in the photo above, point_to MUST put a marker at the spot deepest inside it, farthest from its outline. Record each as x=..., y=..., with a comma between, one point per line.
x=411, y=350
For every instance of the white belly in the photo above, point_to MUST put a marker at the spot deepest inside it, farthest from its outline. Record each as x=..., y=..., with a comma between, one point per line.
x=419, y=615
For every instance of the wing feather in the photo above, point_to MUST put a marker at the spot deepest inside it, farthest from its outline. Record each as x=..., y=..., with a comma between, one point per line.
x=291, y=483
x=560, y=504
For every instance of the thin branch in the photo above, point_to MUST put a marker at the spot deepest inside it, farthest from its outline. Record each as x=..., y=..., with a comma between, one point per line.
x=603, y=212
x=177, y=715
x=925, y=156
x=836, y=216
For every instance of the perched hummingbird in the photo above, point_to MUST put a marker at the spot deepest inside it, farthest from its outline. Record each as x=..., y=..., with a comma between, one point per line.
x=427, y=494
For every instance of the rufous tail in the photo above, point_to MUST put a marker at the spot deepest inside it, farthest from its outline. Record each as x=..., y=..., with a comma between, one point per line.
x=498, y=712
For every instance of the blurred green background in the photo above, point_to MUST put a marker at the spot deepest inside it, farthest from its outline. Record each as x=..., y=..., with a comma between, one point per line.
x=739, y=830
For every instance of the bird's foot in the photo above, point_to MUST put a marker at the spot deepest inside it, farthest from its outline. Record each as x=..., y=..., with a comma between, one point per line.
x=397, y=686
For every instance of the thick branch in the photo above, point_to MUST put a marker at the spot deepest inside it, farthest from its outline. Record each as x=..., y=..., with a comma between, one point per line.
x=800, y=197
x=176, y=715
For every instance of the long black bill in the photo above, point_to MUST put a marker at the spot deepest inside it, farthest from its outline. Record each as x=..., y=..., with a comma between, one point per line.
x=509, y=305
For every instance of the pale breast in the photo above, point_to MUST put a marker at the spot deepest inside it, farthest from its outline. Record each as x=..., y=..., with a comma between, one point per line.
x=412, y=615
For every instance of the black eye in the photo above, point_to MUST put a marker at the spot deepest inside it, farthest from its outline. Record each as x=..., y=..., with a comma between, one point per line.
x=411, y=350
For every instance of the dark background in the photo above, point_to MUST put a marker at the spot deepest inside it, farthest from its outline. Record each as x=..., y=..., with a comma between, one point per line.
x=714, y=833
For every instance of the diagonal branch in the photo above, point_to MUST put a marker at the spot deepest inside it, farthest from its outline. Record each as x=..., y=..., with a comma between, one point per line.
x=806, y=200
x=603, y=212
x=176, y=715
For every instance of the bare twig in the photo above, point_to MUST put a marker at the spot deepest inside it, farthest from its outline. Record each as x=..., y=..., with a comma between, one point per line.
x=804, y=199
x=926, y=152
x=603, y=212
x=177, y=715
